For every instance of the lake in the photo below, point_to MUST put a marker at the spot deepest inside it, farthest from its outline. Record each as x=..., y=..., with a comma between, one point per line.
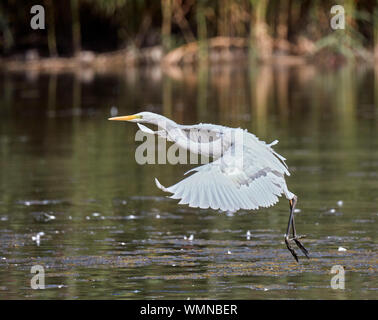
x=74, y=201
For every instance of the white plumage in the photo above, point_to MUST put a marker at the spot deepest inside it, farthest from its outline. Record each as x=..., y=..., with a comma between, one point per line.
x=257, y=180
x=246, y=172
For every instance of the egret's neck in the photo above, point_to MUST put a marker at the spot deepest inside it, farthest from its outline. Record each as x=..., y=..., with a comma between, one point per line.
x=165, y=123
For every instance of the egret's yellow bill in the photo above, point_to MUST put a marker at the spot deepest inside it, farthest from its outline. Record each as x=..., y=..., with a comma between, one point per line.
x=126, y=118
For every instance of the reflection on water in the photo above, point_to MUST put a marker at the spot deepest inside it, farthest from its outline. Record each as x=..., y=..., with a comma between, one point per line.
x=114, y=234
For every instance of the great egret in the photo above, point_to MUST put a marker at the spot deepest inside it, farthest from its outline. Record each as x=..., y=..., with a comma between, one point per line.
x=246, y=172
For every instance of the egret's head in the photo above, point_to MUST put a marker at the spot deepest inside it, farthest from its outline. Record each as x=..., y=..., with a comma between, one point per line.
x=141, y=117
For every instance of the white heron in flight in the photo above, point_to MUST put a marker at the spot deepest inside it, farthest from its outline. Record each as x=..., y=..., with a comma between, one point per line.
x=246, y=172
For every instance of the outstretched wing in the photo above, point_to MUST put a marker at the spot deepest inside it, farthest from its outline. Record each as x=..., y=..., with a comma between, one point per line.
x=248, y=180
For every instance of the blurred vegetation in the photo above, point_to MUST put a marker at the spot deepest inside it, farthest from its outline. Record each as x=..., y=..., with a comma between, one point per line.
x=283, y=27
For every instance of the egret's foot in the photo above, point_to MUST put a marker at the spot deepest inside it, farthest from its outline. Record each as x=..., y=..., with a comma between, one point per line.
x=300, y=245
x=292, y=251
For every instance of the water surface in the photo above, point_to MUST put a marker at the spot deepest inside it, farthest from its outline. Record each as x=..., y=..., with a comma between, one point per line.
x=116, y=236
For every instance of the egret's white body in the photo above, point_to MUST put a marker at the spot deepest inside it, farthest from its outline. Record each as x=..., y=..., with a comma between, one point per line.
x=246, y=173
x=248, y=179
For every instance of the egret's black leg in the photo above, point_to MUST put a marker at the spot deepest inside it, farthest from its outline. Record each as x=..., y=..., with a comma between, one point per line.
x=296, y=238
x=292, y=203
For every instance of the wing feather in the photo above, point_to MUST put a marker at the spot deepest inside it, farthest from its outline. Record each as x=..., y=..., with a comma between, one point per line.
x=227, y=185
x=220, y=204
x=205, y=189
